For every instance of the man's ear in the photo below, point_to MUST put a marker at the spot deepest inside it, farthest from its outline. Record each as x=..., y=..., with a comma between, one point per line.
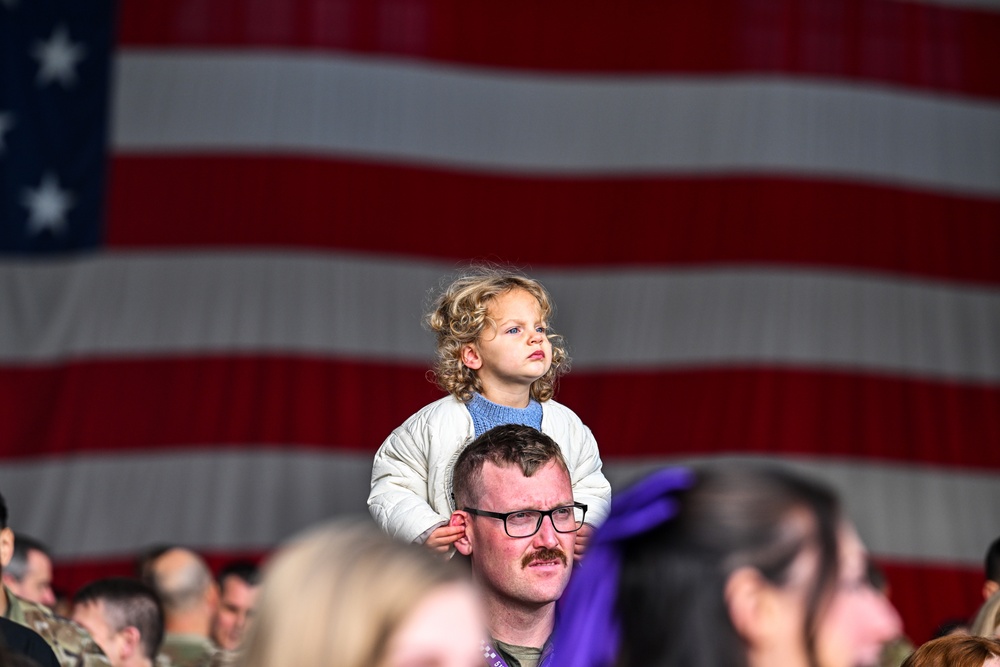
x=131, y=644
x=463, y=544
x=989, y=588
x=6, y=546
x=748, y=598
x=470, y=357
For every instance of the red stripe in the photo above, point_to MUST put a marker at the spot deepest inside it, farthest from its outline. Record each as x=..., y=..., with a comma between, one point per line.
x=222, y=202
x=925, y=46
x=788, y=412
x=928, y=595
x=925, y=595
x=128, y=406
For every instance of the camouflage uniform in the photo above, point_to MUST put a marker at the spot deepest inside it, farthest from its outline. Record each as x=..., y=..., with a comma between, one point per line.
x=70, y=642
x=225, y=658
x=188, y=650
x=221, y=658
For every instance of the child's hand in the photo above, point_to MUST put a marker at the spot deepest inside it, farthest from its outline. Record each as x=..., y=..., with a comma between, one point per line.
x=442, y=538
x=582, y=537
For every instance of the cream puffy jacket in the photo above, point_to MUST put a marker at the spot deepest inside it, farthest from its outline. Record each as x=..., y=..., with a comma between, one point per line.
x=411, y=476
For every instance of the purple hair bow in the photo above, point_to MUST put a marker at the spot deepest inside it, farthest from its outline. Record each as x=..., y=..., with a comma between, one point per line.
x=587, y=633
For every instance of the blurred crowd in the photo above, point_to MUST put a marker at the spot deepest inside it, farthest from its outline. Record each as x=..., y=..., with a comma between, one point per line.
x=719, y=565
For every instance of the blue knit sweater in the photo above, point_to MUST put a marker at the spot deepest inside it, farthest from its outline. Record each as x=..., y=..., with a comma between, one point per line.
x=486, y=414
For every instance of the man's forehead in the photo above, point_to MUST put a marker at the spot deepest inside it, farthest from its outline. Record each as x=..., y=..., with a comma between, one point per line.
x=509, y=485
x=38, y=558
x=89, y=609
x=37, y=568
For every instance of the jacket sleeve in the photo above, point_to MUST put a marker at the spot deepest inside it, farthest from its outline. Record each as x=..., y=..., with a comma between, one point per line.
x=399, y=497
x=590, y=486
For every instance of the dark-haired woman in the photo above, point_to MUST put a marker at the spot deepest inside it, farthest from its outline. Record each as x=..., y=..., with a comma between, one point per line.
x=727, y=565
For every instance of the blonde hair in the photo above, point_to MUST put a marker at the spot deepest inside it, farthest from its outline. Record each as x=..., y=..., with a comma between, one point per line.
x=987, y=620
x=460, y=315
x=335, y=596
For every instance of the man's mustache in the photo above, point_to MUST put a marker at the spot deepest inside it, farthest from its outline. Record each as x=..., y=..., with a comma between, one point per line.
x=544, y=555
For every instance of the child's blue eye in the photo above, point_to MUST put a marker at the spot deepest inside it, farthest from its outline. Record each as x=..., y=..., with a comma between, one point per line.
x=514, y=330
x=541, y=329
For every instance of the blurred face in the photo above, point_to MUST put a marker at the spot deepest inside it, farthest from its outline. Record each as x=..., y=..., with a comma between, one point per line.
x=36, y=585
x=515, y=354
x=91, y=616
x=443, y=631
x=235, y=610
x=527, y=571
x=855, y=623
x=859, y=620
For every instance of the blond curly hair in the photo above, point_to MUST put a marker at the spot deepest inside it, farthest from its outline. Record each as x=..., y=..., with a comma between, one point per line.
x=460, y=314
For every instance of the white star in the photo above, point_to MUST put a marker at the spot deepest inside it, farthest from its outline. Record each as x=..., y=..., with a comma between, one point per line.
x=47, y=206
x=58, y=58
x=6, y=122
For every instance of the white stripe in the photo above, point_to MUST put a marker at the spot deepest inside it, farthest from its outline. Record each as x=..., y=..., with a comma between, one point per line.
x=163, y=304
x=176, y=102
x=122, y=305
x=101, y=506
x=901, y=511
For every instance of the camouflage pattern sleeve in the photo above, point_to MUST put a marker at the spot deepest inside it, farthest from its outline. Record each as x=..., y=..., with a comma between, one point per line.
x=73, y=646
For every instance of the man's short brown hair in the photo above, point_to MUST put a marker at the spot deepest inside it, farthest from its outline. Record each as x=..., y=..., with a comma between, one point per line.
x=507, y=445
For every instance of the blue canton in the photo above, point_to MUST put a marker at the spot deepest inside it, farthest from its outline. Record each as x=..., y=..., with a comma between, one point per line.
x=54, y=97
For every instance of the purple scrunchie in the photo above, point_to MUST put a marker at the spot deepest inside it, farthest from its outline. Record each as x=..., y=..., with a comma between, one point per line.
x=587, y=634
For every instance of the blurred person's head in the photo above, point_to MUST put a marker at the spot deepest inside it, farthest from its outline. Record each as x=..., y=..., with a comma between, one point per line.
x=28, y=574
x=991, y=583
x=124, y=617
x=516, y=471
x=144, y=559
x=346, y=595
x=956, y=651
x=720, y=566
x=238, y=586
x=186, y=588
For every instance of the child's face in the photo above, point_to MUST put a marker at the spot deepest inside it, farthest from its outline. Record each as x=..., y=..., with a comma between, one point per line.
x=515, y=354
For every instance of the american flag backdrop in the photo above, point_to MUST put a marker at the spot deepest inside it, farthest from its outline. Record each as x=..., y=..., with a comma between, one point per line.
x=771, y=229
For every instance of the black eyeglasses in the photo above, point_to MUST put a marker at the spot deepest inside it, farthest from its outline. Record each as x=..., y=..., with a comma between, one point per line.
x=525, y=523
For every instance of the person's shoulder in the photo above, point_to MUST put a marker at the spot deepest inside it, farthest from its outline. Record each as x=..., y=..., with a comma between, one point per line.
x=444, y=406
x=25, y=641
x=188, y=650
x=15, y=633
x=71, y=643
x=444, y=410
x=553, y=407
